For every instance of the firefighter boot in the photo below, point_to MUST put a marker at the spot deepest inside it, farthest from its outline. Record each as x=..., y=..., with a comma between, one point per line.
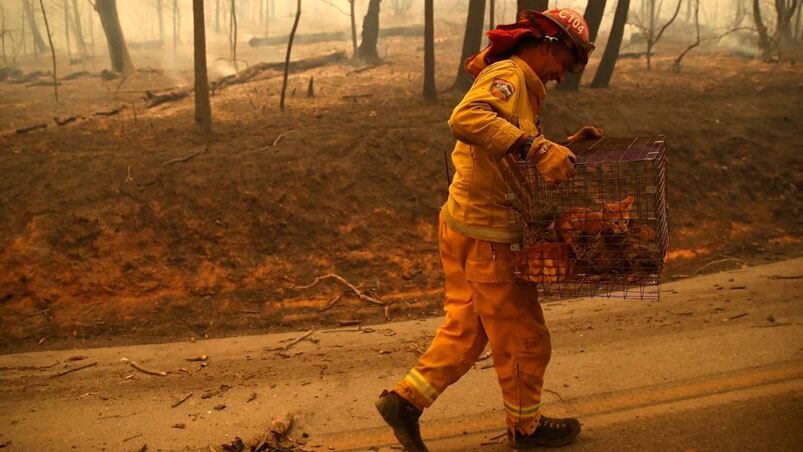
x=402, y=416
x=550, y=432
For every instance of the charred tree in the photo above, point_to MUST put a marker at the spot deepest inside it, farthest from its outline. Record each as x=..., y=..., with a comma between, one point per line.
x=429, y=51
x=595, y=9
x=287, y=56
x=652, y=36
x=160, y=15
x=233, y=35
x=353, y=29
x=66, y=27
x=78, y=30
x=266, y=17
x=603, y=76
x=3, y=33
x=118, y=50
x=203, y=111
x=677, y=64
x=538, y=5
x=370, y=35
x=91, y=20
x=175, y=27
x=784, y=11
x=471, y=42
x=38, y=42
x=22, y=32
x=52, y=51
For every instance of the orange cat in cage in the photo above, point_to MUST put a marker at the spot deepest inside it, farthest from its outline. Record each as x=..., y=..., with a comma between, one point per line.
x=581, y=223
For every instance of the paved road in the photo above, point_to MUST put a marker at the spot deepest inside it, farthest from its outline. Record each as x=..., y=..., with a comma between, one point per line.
x=717, y=364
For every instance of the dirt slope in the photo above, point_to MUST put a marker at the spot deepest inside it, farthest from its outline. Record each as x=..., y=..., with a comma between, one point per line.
x=100, y=238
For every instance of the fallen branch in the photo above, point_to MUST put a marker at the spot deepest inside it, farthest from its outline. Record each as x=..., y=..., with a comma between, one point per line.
x=110, y=112
x=64, y=122
x=154, y=100
x=186, y=157
x=719, y=261
x=181, y=400
x=293, y=342
x=313, y=38
x=276, y=141
x=132, y=437
x=31, y=128
x=74, y=369
x=42, y=83
x=76, y=75
x=363, y=296
x=299, y=65
x=135, y=365
x=330, y=304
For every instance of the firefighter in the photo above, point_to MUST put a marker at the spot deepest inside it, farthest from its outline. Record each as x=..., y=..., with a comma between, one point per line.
x=496, y=120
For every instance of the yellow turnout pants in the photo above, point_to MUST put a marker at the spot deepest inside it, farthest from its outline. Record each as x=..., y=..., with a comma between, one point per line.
x=483, y=304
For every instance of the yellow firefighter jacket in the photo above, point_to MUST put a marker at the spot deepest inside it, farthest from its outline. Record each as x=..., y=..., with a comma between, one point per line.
x=501, y=106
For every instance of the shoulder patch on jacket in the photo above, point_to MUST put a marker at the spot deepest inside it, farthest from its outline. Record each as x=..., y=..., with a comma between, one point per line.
x=502, y=89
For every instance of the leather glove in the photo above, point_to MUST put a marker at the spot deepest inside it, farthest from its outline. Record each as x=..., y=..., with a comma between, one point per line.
x=585, y=133
x=554, y=162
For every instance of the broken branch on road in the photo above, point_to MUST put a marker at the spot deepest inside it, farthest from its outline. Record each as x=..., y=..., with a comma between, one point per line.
x=136, y=365
x=292, y=343
x=181, y=400
x=69, y=371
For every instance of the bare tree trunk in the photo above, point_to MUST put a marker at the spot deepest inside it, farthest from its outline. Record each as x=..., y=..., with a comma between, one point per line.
x=267, y=18
x=118, y=51
x=370, y=34
x=78, y=30
x=429, y=51
x=22, y=32
x=603, y=76
x=537, y=5
x=353, y=29
x=38, y=43
x=52, y=52
x=784, y=10
x=492, y=15
x=178, y=23
x=3, y=33
x=472, y=39
x=679, y=59
x=797, y=24
x=287, y=57
x=595, y=9
x=763, y=37
x=233, y=36
x=203, y=111
x=160, y=14
x=652, y=37
x=175, y=27
x=91, y=21
x=66, y=27
x=650, y=34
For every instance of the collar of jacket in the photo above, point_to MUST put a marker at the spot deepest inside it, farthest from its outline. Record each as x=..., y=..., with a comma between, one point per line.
x=534, y=84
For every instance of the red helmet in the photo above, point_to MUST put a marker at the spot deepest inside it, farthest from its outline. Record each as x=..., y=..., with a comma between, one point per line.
x=568, y=23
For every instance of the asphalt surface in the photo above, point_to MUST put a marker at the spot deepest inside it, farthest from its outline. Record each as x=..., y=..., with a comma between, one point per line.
x=716, y=364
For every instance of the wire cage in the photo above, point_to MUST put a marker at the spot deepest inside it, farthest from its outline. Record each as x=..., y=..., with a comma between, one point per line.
x=604, y=232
